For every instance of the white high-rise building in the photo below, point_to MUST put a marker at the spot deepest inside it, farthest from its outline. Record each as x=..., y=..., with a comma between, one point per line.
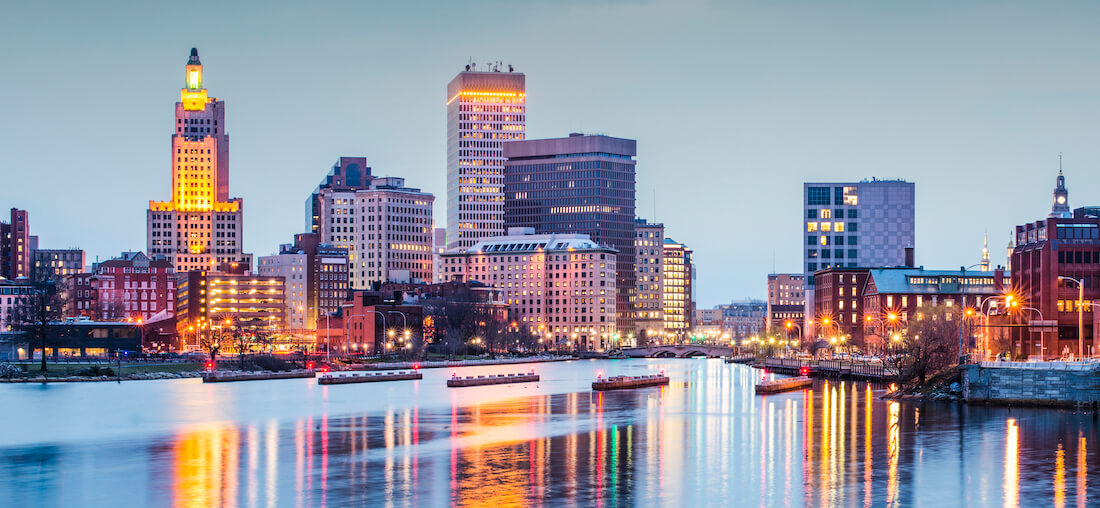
x=387, y=226
x=869, y=223
x=484, y=109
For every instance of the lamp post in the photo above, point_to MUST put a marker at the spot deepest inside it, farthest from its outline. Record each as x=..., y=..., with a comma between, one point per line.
x=791, y=324
x=1080, y=314
x=1042, y=343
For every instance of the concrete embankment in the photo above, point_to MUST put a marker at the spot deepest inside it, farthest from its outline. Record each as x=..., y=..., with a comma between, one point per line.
x=1032, y=383
x=456, y=363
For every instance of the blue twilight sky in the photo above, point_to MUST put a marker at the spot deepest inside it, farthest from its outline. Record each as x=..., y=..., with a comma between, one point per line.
x=733, y=104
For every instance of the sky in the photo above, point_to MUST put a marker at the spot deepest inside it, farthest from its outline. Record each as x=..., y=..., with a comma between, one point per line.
x=733, y=104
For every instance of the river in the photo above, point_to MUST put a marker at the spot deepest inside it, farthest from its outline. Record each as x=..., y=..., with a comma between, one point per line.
x=704, y=440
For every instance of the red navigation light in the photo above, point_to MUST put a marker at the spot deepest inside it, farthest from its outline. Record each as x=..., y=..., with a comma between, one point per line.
x=804, y=371
x=662, y=372
x=454, y=373
x=416, y=366
x=324, y=368
x=210, y=365
x=309, y=365
x=599, y=374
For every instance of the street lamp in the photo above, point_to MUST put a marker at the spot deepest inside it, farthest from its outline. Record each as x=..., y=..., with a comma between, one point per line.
x=1042, y=343
x=791, y=324
x=1080, y=314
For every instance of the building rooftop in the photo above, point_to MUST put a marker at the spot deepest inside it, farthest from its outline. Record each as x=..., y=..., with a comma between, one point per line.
x=919, y=280
x=519, y=242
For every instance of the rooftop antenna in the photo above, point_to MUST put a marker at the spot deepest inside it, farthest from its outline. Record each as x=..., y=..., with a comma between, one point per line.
x=1059, y=162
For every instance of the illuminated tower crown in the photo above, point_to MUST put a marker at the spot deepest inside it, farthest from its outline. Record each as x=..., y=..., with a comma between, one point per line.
x=193, y=95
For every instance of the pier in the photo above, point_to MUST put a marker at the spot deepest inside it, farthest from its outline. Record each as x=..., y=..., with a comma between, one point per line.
x=372, y=377
x=627, y=382
x=496, y=379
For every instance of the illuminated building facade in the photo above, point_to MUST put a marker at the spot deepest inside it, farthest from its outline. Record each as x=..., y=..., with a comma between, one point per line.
x=316, y=276
x=679, y=310
x=201, y=227
x=387, y=229
x=207, y=299
x=561, y=286
x=484, y=110
x=649, y=260
x=16, y=245
x=13, y=294
x=578, y=184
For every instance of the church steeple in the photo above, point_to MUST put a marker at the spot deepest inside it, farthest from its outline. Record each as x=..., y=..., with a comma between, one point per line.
x=984, y=265
x=1060, y=208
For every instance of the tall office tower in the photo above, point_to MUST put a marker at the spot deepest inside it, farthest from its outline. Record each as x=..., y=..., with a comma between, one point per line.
x=316, y=277
x=649, y=259
x=677, y=288
x=484, y=109
x=348, y=174
x=201, y=227
x=16, y=246
x=578, y=184
x=386, y=228
x=867, y=224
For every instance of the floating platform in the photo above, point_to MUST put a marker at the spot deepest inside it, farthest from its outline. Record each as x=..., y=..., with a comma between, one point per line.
x=783, y=385
x=626, y=382
x=224, y=377
x=365, y=377
x=495, y=379
x=739, y=359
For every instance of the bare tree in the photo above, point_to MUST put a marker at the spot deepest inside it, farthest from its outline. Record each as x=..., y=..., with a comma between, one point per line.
x=34, y=313
x=929, y=343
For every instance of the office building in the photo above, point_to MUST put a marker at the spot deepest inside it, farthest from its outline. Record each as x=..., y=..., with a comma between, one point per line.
x=558, y=285
x=50, y=264
x=786, y=302
x=649, y=260
x=743, y=319
x=1051, y=256
x=16, y=245
x=316, y=276
x=386, y=227
x=131, y=286
x=677, y=269
x=854, y=224
x=228, y=297
x=200, y=227
x=582, y=184
x=484, y=109
x=348, y=174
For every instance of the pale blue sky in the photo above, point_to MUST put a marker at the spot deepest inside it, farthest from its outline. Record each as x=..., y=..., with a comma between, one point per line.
x=733, y=105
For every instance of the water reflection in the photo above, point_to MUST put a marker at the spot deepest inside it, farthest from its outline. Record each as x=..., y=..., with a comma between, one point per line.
x=705, y=439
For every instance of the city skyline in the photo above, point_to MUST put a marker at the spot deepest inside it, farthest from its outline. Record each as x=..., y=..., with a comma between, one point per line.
x=985, y=132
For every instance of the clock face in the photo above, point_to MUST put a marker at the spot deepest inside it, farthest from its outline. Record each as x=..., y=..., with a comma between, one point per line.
x=1061, y=200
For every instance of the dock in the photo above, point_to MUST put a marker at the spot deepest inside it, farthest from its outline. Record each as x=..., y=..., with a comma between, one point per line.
x=748, y=358
x=493, y=379
x=783, y=385
x=368, y=377
x=627, y=382
x=225, y=377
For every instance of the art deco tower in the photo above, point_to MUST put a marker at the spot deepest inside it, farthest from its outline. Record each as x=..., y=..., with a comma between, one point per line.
x=484, y=110
x=201, y=227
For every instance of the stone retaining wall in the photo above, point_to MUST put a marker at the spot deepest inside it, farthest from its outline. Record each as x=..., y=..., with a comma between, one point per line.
x=1035, y=383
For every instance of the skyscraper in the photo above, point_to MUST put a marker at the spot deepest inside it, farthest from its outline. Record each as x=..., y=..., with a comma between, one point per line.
x=867, y=224
x=677, y=272
x=649, y=260
x=200, y=227
x=578, y=184
x=484, y=109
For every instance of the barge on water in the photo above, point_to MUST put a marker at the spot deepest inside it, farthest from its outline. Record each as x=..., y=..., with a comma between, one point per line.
x=494, y=379
x=371, y=377
x=627, y=382
x=783, y=385
x=225, y=377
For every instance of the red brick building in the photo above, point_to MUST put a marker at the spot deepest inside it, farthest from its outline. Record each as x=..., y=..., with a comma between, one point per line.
x=129, y=286
x=374, y=324
x=838, y=304
x=1058, y=246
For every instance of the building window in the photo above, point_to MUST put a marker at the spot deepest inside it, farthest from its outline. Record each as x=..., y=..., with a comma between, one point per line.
x=817, y=196
x=811, y=213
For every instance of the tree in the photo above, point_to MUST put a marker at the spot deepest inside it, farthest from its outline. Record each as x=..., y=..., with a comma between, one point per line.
x=34, y=313
x=929, y=343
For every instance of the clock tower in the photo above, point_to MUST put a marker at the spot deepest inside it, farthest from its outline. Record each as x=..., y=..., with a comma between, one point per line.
x=1060, y=207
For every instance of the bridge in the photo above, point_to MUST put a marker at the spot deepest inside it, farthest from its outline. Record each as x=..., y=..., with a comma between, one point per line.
x=678, y=351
